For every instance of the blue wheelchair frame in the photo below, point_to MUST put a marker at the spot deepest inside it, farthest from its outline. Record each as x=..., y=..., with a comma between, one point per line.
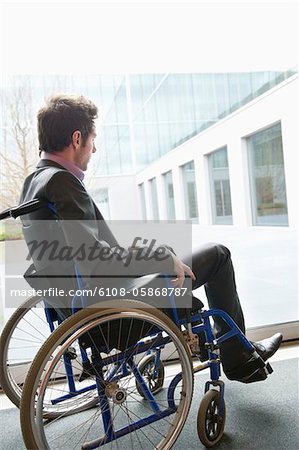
x=125, y=358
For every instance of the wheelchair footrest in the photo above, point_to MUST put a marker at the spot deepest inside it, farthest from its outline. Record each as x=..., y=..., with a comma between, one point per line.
x=255, y=369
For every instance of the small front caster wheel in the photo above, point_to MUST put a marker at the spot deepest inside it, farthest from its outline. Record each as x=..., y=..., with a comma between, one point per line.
x=210, y=426
x=153, y=379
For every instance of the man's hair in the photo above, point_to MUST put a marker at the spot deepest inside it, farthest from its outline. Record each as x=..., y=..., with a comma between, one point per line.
x=60, y=117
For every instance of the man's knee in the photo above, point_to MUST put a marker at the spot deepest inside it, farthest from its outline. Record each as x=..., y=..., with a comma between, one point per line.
x=222, y=249
x=208, y=259
x=216, y=247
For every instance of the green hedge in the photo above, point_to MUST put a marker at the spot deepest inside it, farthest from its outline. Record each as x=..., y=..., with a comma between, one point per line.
x=11, y=231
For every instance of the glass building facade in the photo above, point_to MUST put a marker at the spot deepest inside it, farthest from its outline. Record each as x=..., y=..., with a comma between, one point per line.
x=169, y=195
x=101, y=198
x=154, y=198
x=143, y=117
x=142, y=200
x=267, y=177
x=189, y=186
x=220, y=187
x=154, y=113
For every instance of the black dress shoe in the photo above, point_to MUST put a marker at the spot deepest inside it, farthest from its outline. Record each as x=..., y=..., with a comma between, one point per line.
x=267, y=347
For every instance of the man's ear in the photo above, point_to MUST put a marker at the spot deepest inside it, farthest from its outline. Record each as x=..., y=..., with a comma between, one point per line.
x=76, y=138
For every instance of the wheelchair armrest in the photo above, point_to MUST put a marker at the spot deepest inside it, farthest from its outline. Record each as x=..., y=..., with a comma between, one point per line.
x=137, y=283
x=24, y=208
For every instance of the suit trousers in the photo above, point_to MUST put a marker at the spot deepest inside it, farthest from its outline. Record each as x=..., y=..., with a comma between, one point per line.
x=213, y=268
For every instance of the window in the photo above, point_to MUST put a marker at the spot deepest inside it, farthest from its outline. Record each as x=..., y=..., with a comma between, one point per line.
x=154, y=197
x=142, y=200
x=267, y=178
x=220, y=187
x=170, y=206
x=190, y=191
x=101, y=199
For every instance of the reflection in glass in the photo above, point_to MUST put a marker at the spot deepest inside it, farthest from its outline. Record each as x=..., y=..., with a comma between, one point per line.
x=169, y=195
x=142, y=200
x=154, y=198
x=189, y=185
x=220, y=187
x=101, y=199
x=266, y=167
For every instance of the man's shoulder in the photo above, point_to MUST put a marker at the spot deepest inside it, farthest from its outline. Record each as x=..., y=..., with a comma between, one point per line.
x=49, y=167
x=46, y=178
x=47, y=173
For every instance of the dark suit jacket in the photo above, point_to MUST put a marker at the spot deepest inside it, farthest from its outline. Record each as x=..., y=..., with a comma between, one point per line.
x=82, y=223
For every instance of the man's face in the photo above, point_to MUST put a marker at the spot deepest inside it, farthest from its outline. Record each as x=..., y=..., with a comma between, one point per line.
x=85, y=151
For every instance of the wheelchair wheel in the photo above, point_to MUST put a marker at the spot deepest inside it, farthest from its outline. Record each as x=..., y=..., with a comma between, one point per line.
x=23, y=335
x=210, y=425
x=117, y=335
x=153, y=380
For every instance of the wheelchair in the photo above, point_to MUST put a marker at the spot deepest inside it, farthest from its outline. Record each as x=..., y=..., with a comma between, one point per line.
x=120, y=373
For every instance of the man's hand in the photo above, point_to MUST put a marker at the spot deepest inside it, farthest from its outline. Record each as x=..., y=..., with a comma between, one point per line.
x=180, y=269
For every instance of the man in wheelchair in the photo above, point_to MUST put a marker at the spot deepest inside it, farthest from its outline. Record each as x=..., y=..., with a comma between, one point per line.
x=66, y=130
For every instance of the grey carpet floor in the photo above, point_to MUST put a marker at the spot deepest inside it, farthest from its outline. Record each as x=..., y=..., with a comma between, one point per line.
x=261, y=415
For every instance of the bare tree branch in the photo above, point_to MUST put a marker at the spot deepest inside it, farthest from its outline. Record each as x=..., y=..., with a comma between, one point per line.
x=18, y=145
